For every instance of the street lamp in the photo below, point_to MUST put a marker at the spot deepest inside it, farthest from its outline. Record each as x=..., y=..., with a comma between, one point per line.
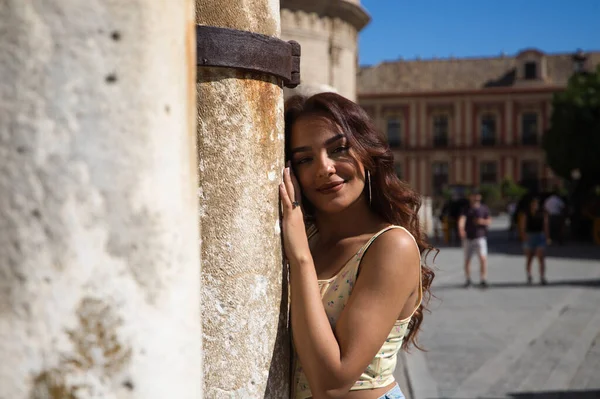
x=576, y=203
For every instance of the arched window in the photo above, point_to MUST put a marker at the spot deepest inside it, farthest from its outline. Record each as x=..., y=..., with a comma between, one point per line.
x=531, y=70
x=440, y=177
x=529, y=128
x=398, y=170
x=440, y=131
x=394, y=131
x=488, y=129
x=488, y=172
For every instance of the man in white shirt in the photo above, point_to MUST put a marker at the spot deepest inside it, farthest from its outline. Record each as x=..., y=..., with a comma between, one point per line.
x=554, y=206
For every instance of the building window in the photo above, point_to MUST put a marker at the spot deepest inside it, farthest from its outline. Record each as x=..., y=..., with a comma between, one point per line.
x=440, y=177
x=394, y=132
x=530, y=175
x=530, y=70
x=529, y=170
x=488, y=129
x=440, y=131
x=398, y=170
x=529, y=128
x=488, y=173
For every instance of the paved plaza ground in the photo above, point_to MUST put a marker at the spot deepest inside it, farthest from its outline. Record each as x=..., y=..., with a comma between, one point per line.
x=511, y=340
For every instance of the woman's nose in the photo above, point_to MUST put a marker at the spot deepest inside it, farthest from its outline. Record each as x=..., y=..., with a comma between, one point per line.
x=326, y=167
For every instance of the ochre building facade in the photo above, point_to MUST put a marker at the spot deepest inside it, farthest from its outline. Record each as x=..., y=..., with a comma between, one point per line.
x=468, y=122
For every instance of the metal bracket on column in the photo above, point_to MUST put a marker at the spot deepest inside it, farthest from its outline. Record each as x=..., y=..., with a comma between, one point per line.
x=231, y=48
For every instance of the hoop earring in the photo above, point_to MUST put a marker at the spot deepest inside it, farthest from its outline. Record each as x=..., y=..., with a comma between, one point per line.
x=369, y=184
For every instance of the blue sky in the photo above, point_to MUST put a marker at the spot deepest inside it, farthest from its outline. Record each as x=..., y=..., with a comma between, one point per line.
x=472, y=28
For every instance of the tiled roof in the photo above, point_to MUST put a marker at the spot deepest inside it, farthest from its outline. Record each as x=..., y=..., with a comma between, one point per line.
x=457, y=74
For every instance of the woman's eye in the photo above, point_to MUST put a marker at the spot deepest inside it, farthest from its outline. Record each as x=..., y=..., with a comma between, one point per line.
x=302, y=160
x=340, y=150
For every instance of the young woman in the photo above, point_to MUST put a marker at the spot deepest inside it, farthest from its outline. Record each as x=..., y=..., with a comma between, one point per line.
x=353, y=243
x=535, y=232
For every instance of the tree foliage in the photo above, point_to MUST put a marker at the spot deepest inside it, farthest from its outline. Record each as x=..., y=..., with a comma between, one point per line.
x=573, y=140
x=492, y=197
x=511, y=189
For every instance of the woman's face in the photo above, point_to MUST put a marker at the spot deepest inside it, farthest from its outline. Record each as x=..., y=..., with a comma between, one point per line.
x=330, y=176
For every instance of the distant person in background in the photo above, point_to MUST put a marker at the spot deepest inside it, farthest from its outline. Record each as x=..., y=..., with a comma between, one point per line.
x=511, y=209
x=444, y=218
x=458, y=207
x=450, y=214
x=535, y=232
x=473, y=225
x=555, y=208
x=438, y=219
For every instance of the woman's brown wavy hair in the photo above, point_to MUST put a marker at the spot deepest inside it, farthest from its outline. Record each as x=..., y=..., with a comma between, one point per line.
x=391, y=198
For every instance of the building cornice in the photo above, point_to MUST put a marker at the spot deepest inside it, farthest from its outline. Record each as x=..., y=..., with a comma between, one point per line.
x=347, y=11
x=487, y=91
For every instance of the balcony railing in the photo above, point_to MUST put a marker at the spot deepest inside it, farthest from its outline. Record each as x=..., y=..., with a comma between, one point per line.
x=440, y=141
x=395, y=143
x=488, y=178
x=488, y=141
x=529, y=139
x=446, y=142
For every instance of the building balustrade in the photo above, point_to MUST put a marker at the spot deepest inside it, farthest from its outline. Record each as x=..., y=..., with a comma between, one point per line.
x=440, y=142
x=450, y=143
x=529, y=140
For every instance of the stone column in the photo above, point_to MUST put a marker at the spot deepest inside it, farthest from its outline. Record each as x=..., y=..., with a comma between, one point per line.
x=412, y=126
x=99, y=255
x=424, y=124
x=468, y=124
x=508, y=120
x=458, y=132
x=240, y=150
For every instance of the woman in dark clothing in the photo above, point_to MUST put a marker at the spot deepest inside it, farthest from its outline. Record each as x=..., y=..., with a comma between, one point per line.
x=534, y=230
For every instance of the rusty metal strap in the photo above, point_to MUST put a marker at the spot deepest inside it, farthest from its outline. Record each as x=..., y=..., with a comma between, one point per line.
x=231, y=48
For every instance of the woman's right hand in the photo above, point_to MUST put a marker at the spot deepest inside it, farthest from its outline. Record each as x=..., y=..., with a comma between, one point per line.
x=295, y=241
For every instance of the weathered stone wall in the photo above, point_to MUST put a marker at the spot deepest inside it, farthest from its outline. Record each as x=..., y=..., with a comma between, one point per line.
x=344, y=58
x=327, y=30
x=313, y=33
x=240, y=150
x=99, y=257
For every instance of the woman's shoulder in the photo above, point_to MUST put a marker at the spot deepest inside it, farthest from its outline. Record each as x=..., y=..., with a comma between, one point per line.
x=395, y=241
x=393, y=255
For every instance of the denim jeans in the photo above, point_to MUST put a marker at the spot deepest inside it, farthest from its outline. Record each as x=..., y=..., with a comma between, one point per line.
x=394, y=393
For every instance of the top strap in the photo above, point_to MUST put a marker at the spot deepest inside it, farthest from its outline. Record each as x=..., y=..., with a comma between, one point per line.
x=368, y=244
x=380, y=232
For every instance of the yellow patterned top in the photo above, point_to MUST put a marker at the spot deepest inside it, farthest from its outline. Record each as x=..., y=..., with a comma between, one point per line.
x=335, y=293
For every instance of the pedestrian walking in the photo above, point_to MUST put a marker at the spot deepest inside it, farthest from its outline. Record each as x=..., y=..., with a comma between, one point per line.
x=353, y=242
x=535, y=232
x=473, y=227
x=555, y=208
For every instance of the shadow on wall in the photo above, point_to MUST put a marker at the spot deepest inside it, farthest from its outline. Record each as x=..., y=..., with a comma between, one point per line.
x=508, y=79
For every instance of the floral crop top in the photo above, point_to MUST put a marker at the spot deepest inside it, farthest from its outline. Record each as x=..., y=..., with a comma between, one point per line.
x=335, y=293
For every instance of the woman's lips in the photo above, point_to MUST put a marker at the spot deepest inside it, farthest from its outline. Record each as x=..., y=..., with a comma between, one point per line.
x=331, y=188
